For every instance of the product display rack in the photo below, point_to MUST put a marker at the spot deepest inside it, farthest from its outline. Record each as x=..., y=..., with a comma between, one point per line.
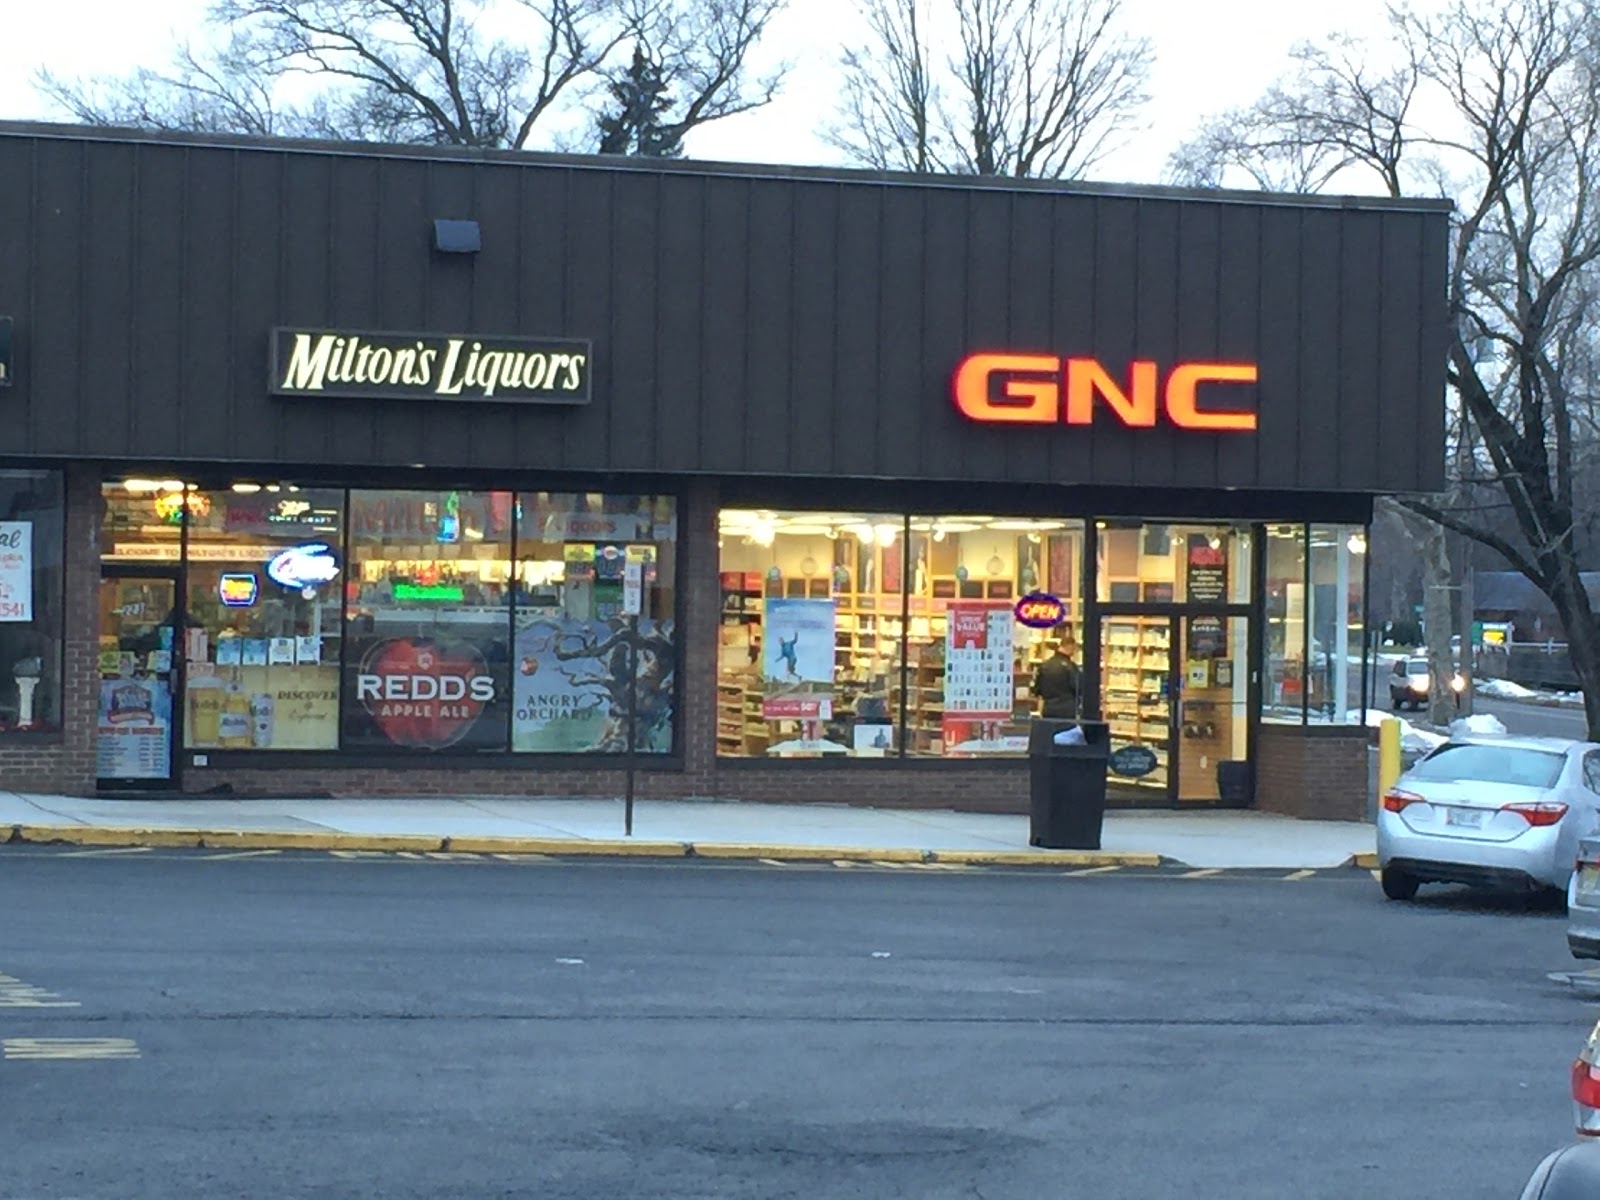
x=1137, y=665
x=740, y=727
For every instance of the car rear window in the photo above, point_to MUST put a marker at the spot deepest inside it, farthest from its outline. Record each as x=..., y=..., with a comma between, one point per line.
x=1417, y=666
x=1491, y=764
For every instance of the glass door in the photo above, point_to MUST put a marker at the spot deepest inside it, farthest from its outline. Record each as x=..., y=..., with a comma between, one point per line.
x=1136, y=690
x=138, y=663
x=1213, y=710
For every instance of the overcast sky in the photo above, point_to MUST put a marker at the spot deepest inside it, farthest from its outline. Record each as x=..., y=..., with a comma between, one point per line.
x=1210, y=54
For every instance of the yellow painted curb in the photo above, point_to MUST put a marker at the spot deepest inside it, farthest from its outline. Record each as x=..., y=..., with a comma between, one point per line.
x=608, y=848
x=94, y=835
x=1367, y=862
x=1046, y=858
x=805, y=853
x=267, y=839
x=255, y=839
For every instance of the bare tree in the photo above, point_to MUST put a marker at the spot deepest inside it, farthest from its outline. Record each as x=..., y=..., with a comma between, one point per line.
x=1035, y=88
x=486, y=73
x=688, y=69
x=1513, y=134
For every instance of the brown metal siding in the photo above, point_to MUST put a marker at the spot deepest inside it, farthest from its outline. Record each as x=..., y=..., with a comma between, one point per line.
x=743, y=323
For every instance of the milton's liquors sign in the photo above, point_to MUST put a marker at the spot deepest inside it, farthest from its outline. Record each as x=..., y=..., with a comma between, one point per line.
x=430, y=366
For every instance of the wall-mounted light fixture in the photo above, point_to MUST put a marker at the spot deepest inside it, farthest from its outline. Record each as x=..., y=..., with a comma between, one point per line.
x=457, y=237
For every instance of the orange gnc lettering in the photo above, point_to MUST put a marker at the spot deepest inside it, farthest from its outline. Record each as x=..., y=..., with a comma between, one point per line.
x=1085, y=377
x=1037, y=401
x=1183, y=402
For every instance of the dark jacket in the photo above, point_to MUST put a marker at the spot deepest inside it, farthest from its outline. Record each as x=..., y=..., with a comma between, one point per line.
x=1057, y=682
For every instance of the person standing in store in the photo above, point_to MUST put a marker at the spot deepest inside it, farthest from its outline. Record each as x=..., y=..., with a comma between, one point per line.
x=1058, y=681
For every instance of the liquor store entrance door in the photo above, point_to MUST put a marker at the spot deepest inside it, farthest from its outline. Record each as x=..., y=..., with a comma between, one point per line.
x=140, y=665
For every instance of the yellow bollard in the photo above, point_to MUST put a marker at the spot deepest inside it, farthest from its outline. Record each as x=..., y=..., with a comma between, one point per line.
x=1388, y=754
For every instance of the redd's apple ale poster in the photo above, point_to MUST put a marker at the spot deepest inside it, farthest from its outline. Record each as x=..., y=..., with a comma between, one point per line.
x=427, y=693
x=570, y=685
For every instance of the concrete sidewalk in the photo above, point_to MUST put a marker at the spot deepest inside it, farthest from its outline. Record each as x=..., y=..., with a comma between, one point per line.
x=677, y=829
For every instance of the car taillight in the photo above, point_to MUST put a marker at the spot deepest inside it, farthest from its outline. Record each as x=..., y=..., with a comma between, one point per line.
x=1585, y=1085
x=1538, y=812
x=1395, y=799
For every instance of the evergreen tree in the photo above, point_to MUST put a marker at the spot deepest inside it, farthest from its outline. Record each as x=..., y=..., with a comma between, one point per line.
x=635, y=123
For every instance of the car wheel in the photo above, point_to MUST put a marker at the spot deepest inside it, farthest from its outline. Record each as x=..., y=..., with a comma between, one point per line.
x=1395, y=702
x=1397, y=885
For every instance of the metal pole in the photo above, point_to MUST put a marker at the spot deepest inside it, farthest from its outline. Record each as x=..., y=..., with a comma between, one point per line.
x=633, y=718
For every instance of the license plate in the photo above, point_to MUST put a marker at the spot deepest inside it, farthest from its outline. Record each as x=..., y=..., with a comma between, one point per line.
x=1589, y=879
x=1466, y=818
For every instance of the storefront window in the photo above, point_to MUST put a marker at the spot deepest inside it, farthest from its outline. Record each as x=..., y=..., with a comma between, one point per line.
x=32, y=585
x=812, y=633
x=1285, y=680
x=262, y=625
x=428, y=603
x=596, y=579
x=141, y=520
x=1334, y=619
x=970, y=663
x=1173, y=564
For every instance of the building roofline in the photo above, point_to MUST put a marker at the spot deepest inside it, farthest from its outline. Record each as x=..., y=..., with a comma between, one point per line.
x=715, y=169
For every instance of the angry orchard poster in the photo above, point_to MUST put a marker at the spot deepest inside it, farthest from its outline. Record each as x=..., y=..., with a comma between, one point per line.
x=570, y=684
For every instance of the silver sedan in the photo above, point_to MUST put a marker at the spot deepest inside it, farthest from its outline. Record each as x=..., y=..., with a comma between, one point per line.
x=1504, y=812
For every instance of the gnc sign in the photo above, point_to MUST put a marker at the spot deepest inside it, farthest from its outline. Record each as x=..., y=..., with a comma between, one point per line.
x=1029, y=389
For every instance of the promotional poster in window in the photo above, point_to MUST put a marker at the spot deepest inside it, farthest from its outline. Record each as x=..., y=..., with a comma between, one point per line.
x=797, y=659
x=571, y=685
x=426, y=693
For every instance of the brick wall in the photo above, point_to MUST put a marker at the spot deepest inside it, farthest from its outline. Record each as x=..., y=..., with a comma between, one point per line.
x=1316, y=772
x=65, y=762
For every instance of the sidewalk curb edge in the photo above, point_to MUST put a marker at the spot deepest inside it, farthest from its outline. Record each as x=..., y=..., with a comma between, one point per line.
x=134, y=836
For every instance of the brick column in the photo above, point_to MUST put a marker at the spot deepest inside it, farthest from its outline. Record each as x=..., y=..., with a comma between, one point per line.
x=698, y=638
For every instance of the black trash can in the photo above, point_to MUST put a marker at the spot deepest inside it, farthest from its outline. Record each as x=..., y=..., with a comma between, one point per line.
x=1235, y=783
x=1067, y=785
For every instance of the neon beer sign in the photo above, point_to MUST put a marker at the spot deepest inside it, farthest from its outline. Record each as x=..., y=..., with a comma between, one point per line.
x=1045, y=389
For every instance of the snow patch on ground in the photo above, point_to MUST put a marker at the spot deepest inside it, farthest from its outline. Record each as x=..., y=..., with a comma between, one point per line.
x=1505, y=689
x=1412, y=739
x=1478, y=724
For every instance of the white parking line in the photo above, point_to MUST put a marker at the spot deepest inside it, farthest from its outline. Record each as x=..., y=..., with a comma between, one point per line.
x=79, y=1048
x=1298, y=875
x=238, y=854
x=1202, y=873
